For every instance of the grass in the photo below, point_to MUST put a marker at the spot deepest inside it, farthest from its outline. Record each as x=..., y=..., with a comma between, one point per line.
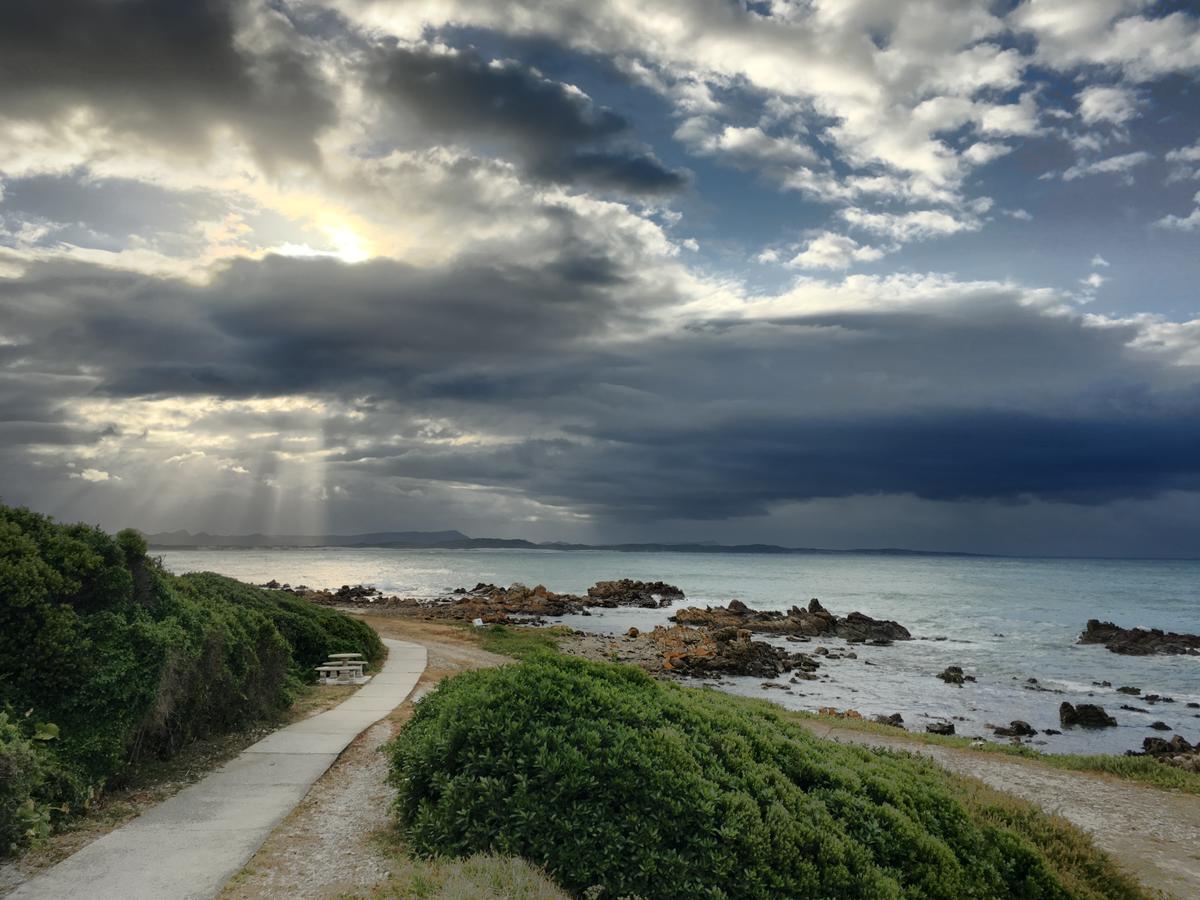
x=483, y=876
x=519, y=643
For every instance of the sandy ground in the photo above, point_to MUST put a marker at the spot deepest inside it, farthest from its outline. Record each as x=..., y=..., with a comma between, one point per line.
x=335, y=843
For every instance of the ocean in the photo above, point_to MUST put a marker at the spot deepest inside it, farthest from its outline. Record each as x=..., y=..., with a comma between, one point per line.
x=1004, y=620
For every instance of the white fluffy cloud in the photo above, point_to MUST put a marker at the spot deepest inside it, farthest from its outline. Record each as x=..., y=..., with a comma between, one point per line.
x=1103, y=104
x=830, y=250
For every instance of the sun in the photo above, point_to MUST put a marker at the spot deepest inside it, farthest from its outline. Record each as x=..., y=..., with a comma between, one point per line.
x=348, y=245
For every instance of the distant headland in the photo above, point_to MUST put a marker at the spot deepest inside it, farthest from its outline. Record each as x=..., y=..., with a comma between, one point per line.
x=456, y=540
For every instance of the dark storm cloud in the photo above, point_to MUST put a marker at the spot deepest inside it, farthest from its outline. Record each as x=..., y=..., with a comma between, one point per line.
x=1004, y=403
x=165, y=69
x=560, y=133
x=285, y=325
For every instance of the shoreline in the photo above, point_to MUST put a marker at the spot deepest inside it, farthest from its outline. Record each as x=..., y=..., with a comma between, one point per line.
x=834, y=674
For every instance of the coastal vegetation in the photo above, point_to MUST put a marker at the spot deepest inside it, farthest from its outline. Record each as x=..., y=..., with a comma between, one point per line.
x=107, y=660
x=609, y=779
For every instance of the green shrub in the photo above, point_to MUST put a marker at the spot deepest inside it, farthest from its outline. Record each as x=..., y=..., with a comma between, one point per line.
x=130, y=661
x=23, y=817
x=607, y=778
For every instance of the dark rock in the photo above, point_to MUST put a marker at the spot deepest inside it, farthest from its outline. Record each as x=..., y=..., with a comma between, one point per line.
x=1154, y=746
x=627, y=592
x=632, y=632
x=1133, y=708
x=1102, y=683
x=860, y=627
x=1086, y=715
x=1155, y=698
x=815, y=621
x=1129, y=690
x=1016, y=728
x=940, y=728
x=1138, y=641
x=1193, y=706
x=1051, y=731
x=954, y=675
x=1160, y=726
x=895, y=720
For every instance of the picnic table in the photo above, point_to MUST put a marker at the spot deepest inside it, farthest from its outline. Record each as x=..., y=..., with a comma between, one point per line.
x=342, y=667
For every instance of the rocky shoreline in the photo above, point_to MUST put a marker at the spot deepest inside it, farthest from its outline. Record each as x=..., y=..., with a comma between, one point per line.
x=714, y=643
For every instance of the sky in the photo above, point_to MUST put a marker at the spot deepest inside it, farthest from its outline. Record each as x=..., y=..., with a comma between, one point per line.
x=831, y=273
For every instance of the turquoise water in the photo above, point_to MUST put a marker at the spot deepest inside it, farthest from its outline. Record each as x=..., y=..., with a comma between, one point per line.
x=1002, y=620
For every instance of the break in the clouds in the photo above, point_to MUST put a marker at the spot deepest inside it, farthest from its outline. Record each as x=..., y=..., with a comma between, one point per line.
x=836, y=274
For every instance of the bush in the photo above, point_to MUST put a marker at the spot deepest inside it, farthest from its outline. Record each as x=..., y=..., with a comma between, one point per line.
x=130, y=661
x=607, y=778
x=23, y=817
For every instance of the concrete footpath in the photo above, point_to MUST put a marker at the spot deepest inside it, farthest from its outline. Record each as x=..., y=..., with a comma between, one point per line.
x=191, y=844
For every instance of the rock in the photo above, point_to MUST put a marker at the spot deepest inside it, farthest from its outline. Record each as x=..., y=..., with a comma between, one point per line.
x=1155, y=698
x=1193, y=706
x=632, y=632
x=1160, y=726
x=727, y=651
x=815, y=621
x=1125, y=689
x=1154, y=746
x=1126, y=706
x=860, y=627
x=940, y=728
x=895, y=720
x=1016, y=728
x=1051, y=731
x=1102, y=683
x=1138, y=641
x=627, y=592
x=1086, y=715
x=954, y=675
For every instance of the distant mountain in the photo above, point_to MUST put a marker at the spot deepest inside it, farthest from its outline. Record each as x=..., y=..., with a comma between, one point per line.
x=456, y=540
x=185, y=539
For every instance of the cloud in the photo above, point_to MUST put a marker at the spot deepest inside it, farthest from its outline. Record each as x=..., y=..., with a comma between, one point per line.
x=1184, y=163
x=928, y=386
x=1112, y=165
x=830, y=250
x=1111, y=34
x=171, y=73
x=92, y=475
x=1099, y=260
x=555, y=127
x=1190, y=222
x=1103, y=104
x=911, y=226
